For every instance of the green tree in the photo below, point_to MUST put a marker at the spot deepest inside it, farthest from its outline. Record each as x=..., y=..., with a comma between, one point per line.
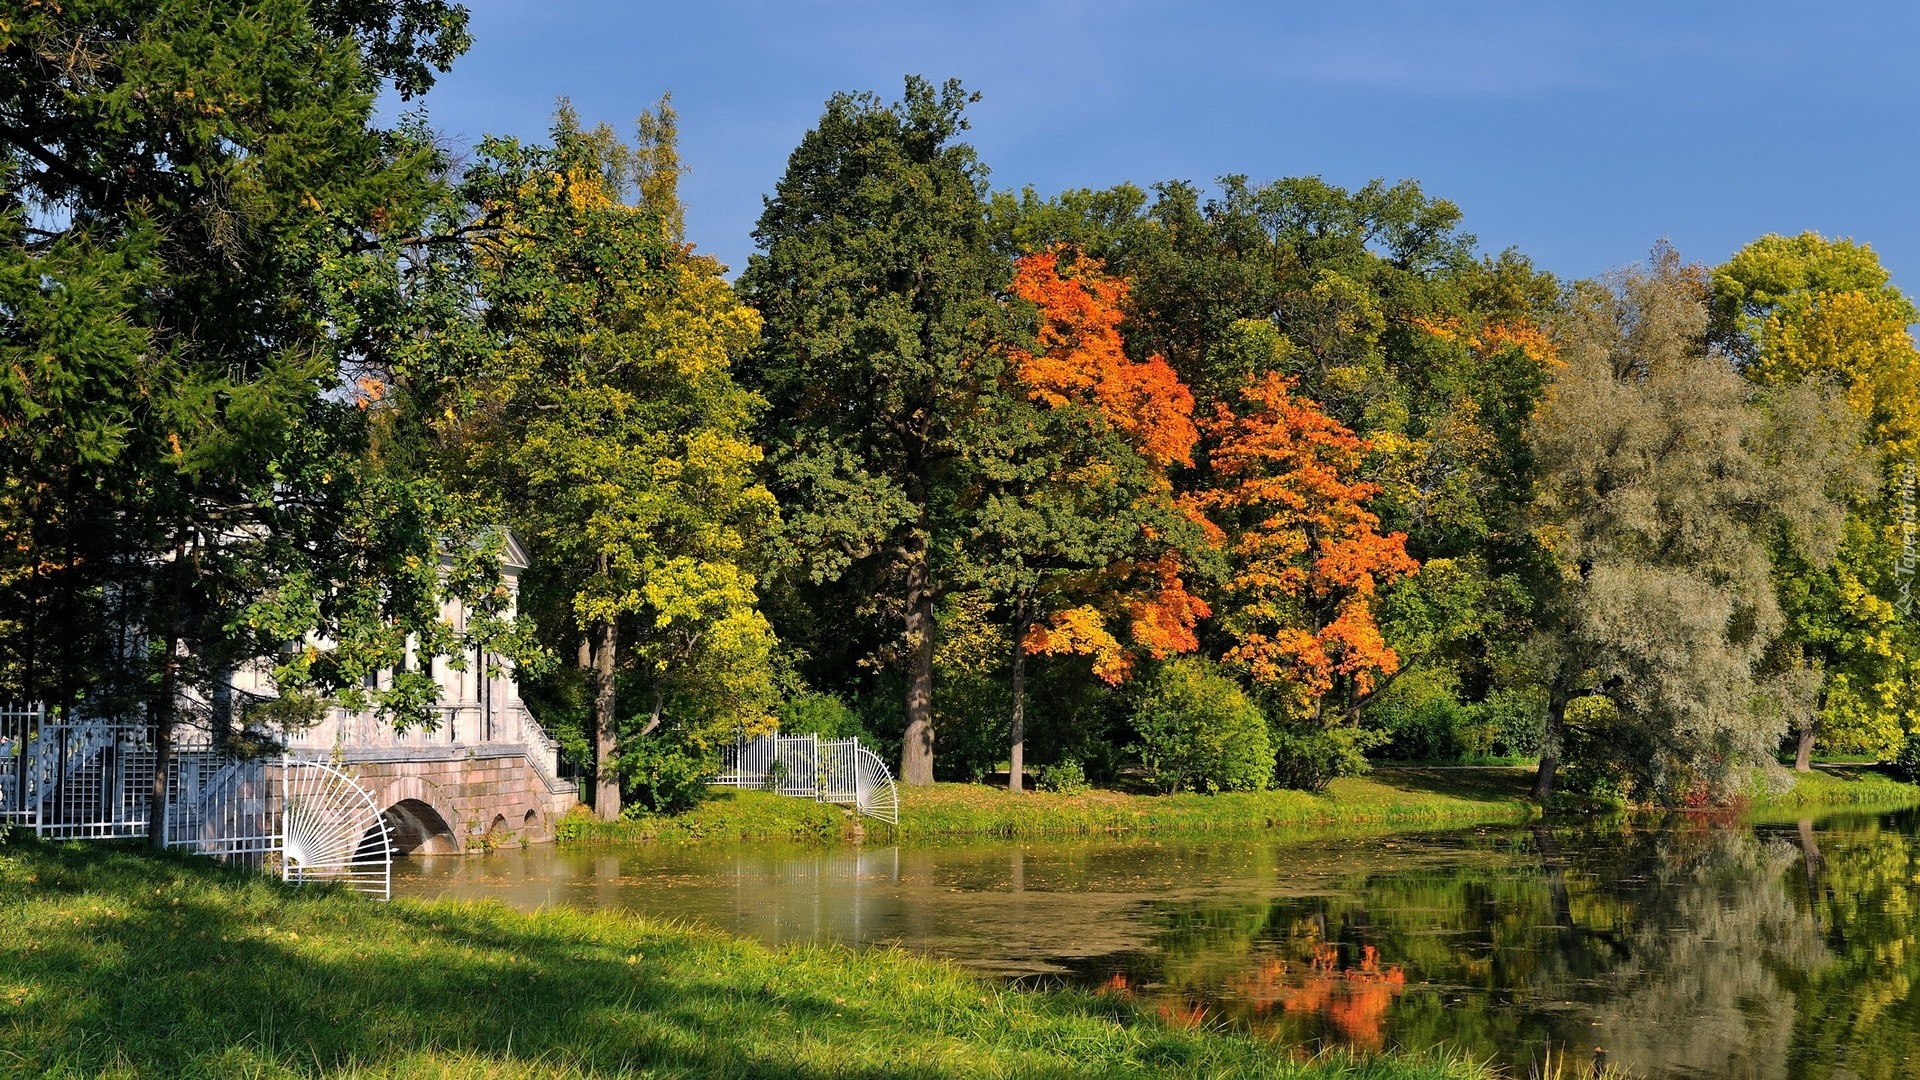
x=611, y=428
x=210, y=172
x=877, y=282
x=1804, y=309
x=1665, y=479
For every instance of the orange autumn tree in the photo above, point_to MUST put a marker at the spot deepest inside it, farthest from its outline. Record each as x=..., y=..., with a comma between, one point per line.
x=1077, y=530
x=1307, y=557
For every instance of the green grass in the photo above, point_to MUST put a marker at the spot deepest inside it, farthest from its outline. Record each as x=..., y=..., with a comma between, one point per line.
x=1415, y=797
x=115, y=962
x=1391, y=796
x=1839, y=786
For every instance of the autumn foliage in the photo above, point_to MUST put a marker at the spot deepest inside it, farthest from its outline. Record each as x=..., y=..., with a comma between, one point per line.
x=1495, y=335
x=1079, y=362
x=1081, y=359
x=1308, y=556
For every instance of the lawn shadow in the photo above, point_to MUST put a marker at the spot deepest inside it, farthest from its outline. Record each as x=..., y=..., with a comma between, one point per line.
x=1483, y=783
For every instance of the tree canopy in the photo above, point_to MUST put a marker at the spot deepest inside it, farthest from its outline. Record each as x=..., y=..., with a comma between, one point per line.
x=1105, y=483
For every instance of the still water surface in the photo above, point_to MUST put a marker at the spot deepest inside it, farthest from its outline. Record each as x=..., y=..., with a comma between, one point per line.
x=1685, y=949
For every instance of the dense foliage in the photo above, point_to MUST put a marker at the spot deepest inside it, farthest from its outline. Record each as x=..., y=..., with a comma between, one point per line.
x=1209, y=492
x=207, y=306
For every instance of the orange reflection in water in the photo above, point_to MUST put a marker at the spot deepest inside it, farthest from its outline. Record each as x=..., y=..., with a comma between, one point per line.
x=1355, y=999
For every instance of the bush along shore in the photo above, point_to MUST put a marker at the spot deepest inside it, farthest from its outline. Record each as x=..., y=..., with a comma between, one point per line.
x=1389, y=797
x=115, y=962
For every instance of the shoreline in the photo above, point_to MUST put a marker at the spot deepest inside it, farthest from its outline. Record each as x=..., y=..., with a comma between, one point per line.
x=1413, y=797
x=1410, y=797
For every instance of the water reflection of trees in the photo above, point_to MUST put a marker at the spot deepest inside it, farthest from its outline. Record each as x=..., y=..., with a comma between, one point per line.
x=1860, y=1014
x=1693, y=949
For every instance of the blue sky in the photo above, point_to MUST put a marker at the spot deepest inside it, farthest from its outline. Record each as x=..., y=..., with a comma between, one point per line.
x=1579, y=133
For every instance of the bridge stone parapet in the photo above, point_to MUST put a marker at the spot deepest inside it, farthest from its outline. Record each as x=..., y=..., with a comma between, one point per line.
x=452, y=799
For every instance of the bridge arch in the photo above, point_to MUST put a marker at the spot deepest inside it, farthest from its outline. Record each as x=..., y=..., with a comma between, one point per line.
x=418, y=819
x=518, y=818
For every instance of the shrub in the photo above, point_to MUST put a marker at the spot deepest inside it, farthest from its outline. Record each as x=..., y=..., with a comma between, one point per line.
x=1906, y=763
x=1065, y=778
x=1307, y=760
x=1518, y=717
x=663, y=776
x=1200, y=732
x=824, y=715
x=1074, y=716
x=1420, y=718
x=1424, y=719
x=574, y=823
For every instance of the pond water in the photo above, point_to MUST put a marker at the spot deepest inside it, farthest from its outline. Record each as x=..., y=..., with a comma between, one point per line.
x=1684, y=949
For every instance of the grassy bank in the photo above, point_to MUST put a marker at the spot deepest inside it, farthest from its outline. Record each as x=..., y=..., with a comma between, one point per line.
x=1390, y=796
x=118, y=963
x=1830, y=787
x=1397, y=796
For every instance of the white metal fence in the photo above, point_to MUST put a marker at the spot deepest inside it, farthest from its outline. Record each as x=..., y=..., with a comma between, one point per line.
x=807, y=766
x=93, y=779
x=74, y=780
x=224, y=807
x=332, y=830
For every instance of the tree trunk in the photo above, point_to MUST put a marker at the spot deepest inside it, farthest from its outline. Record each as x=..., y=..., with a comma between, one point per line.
x=220, y=709
x=165, y=698
x=606, y=784
x=1016, y=758
x=162, y=752
x=1551, y=747
x=1809, y=730
x=29, y=663
x=916, y=749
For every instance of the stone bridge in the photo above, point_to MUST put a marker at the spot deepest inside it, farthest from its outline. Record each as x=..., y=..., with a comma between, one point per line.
x=482, y=775
x=461, y=799
x=486, y=777
x=485, y=774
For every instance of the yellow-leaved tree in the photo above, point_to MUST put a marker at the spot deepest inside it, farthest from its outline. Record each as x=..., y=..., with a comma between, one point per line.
x=1805, y=309
x=618, y=443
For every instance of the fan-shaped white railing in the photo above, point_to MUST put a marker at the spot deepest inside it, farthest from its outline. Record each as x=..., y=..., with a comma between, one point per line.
x=332, y=830
x=806, y=766
x=874, y=792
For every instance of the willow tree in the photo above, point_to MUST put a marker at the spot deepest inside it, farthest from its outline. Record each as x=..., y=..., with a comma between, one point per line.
x=1666, y=480
x=877, y=283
